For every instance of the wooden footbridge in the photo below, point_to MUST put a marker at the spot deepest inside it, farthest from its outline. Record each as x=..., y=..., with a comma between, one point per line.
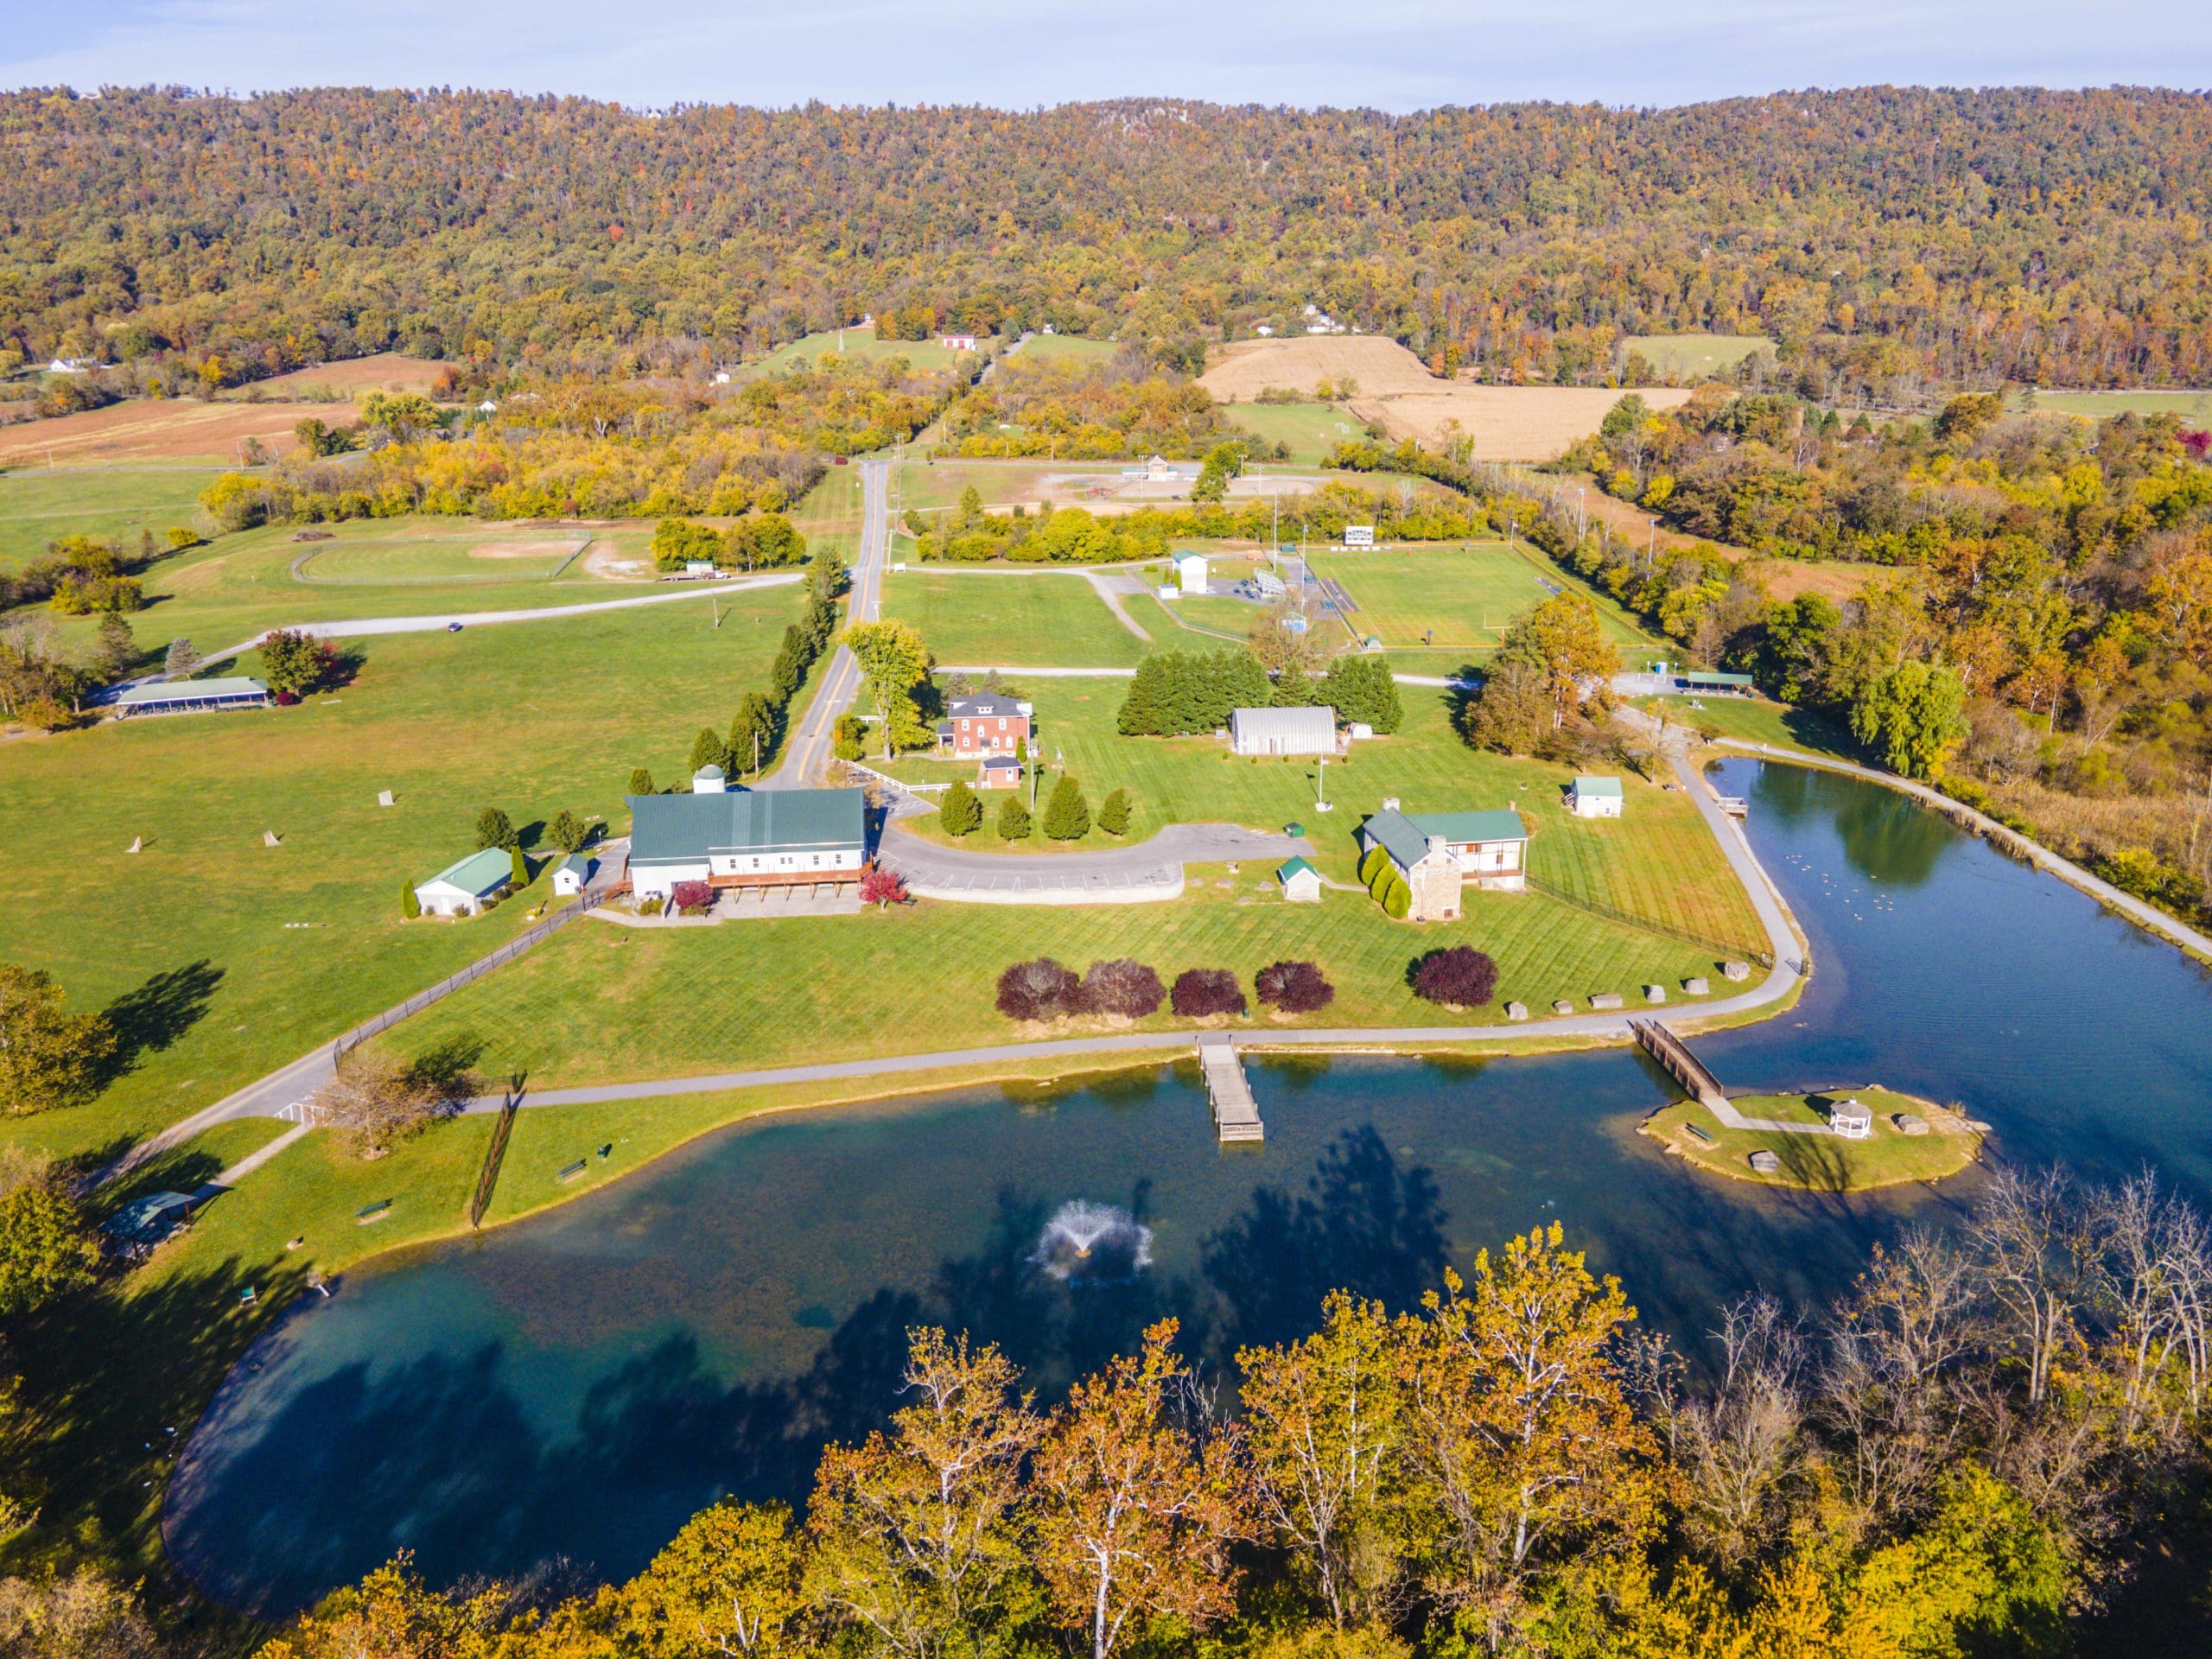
x=1235, y=1113
x=1676, y=1060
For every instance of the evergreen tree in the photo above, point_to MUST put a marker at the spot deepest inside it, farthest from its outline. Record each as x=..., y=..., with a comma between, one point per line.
x=1114, y=813
x=409, y=905
x=519, y=866
x=183, y=657
x=960, y=812
x=1067, y=815
x=1014, y=819
x=708, y=749
x=494, y=829
x=1141, y=709
x=567, y=831
x=753, y=732
x=641, y=782
x=1364, y=689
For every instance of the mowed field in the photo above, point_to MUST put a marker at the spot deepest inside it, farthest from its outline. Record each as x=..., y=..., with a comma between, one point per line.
x=229, y=958
x=1309, y=431
x=37, y=506
x=444, y=554
x=1067, y=346
x=2103, y=405
x=853, y=342
x=1043, y=619
x=1694, y=356
x=152, y=428
x=1456, y=599
x=1397, y=392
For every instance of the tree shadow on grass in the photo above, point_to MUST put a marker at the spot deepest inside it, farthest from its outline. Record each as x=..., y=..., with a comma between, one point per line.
x=1814, y=1161
x=153, y=1017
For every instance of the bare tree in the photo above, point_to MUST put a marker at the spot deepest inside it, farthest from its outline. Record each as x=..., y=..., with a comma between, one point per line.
x=2159, y=1270
x=375, y=1099
x=2036, y=1251
x=1740, y=1448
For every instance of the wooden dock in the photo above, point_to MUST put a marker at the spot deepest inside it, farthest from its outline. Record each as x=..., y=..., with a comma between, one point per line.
x=1235, y=1113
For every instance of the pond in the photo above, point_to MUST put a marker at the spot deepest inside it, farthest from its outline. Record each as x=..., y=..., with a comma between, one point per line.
x=577, y=1386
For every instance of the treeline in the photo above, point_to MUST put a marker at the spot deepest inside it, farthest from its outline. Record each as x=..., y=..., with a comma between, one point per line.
x=1083, y=409
x=226, y=238
x=1964, y=1453
x=1074, y=535
x=1181, y=694
x=757, y=730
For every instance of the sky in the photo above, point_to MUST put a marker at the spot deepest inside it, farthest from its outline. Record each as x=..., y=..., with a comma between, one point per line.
x=1391, y=54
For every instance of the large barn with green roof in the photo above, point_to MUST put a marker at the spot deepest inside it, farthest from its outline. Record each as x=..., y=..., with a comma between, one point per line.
x=746, y=838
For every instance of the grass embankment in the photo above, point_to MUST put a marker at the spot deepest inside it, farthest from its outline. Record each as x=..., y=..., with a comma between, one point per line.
x=221, y=958
x=1050, y=618
x=1310, y=431
x=37, y=507
x=1821, y=1163
x=1456, y=600
x=1756, y=720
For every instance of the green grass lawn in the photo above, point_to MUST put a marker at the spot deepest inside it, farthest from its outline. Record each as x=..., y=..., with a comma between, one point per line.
x=1818, y=1163
x=930, y=487
x=1658, y=864
x=1069, y=345
x=831, y=516
x=1756, y=720
x=1694, y=357
x=1047, y=619
x=190, y=942
x=451, y=552
x=36, y=507
x=1457, y=599
x=601, y=1003
x=1311, y=431
x=854, y=342
x=2103, y=405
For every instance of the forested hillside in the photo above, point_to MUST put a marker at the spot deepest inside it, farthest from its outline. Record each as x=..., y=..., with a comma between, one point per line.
x=1886, y=240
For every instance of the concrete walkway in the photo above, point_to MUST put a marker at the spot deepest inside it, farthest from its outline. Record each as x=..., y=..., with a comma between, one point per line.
x=364, y=628
x=1149, y=871
x=2144, y=915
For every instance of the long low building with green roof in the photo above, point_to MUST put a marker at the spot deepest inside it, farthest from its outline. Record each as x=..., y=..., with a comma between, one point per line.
x=746, y=838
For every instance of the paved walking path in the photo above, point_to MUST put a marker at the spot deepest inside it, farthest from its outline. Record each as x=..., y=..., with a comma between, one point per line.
x=806, y=757
x=2041, y=857
x=363, y=628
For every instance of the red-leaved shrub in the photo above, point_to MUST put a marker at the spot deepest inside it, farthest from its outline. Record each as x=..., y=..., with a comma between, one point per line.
x=1200, y=992
x=688, y=896
x=1458, y=976
x=1042, y=989
x=1123, y=987
x=882, y=886
x=1294, y=987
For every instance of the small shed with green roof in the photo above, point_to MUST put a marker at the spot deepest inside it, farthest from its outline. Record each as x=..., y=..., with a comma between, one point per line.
x=462, y=888
x=1595, y=797
x=1301, y=882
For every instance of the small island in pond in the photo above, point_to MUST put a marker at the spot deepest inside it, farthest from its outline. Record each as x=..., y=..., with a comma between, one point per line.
x=1836, y=1140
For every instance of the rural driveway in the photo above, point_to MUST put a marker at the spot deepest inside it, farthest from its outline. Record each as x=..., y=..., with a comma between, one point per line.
x=806, y=757
x=365, y=626
x=1152, y=869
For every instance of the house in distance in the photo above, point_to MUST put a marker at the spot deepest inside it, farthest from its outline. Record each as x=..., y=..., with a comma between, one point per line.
x=746, y=838
x=1441, y=853
x=1594, y=797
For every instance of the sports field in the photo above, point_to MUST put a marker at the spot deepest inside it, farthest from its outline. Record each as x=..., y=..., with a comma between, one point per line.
x=195, y=930
x=1310, y=430
x=1045, y=618
x=1453, y=599
x=442, y=554
x=108, y=502
x=1694, y=356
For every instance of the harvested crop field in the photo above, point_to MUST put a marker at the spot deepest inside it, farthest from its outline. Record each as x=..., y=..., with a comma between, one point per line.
x=353, y=376
x=151, y=430
x=1239, y=371
x=1506, y=423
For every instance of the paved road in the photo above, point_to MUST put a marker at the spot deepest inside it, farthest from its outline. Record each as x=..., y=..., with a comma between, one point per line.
x=364, y=627
x=806, y=757
x=2041, y=857
x=1150, y=870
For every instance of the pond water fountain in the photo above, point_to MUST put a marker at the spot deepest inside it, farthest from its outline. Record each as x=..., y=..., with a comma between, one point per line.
x=1087, y=1243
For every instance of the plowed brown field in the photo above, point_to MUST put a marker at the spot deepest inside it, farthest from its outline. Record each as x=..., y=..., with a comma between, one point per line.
x=1399, y=393
x=151, y=430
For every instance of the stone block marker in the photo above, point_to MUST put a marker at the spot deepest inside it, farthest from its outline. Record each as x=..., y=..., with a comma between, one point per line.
x=1655, y=993
x=1910, y=1123
x=1697, y=985
x=268, y=838
x=1765, y=1163
x=1605, y=999
x=137, y=844
x=1516, y=1011
x=384, y=797
x=1562, y=1006
x=1736, y=971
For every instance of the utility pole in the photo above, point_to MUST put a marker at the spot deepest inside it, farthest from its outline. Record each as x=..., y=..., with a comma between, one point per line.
x=1651, y=551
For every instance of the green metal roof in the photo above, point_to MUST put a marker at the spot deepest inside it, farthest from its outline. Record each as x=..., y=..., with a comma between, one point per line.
x=1405, y=836
x=480, y=873
x=581, y=863
x=1293, y=867
x=673, y=829
x=1597, y=786
x=1699, y=676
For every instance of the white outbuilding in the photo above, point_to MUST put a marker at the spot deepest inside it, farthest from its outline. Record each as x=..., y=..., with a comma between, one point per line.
x=574, y=874
x=1595, y=797
x=1283, y=731
x=1191, y=572
x=463, y=888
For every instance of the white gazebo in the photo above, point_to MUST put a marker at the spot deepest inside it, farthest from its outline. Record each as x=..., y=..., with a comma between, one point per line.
x=1851, y=1119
